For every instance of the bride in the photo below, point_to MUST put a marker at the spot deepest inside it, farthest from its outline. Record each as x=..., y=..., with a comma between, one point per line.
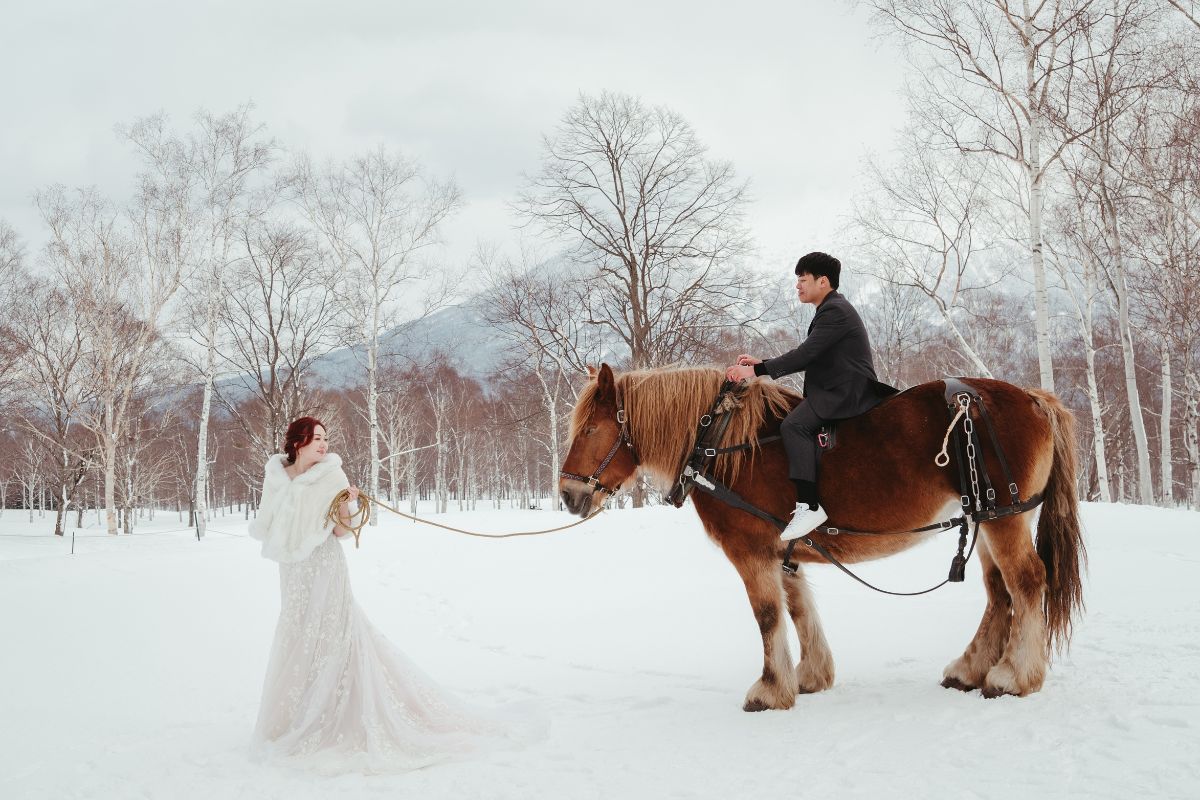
x=338, y=696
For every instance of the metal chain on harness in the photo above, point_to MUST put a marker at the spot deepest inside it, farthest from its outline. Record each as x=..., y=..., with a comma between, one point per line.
x=969, y=429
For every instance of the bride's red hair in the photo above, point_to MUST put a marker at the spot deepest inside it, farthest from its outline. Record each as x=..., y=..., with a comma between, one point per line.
x=299, y=434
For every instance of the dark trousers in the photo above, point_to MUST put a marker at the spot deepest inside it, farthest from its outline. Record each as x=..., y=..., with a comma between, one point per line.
x=799, y=433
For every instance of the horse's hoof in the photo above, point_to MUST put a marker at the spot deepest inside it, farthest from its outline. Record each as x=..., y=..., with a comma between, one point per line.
x=954, y=683
x=810, y=680
x=992, y=692
x=755, y=705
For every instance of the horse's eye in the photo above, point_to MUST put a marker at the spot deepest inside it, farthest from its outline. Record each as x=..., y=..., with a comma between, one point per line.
x=589, y=430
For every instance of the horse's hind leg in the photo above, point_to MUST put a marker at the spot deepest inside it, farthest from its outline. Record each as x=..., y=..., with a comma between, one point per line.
x=1022, y=667
x=968, y=671
x=764, y=586
x=814, y=673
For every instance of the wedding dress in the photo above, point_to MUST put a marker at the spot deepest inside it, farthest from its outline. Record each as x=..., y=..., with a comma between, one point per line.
x=338, y=696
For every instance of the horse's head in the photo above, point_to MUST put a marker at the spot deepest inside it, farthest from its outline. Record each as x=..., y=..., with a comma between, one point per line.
x=601, y=456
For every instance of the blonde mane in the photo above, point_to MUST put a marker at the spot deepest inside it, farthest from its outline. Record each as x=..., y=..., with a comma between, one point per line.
x=664, y=407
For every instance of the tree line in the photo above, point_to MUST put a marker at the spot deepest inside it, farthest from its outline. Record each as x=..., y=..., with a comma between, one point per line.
x=1037, y=221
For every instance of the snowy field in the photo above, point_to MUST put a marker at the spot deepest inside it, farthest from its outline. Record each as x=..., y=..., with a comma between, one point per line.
x=132, y=669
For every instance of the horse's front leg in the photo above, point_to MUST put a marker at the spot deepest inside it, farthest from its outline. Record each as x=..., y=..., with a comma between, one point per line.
x=764, y=587
x=814, y=673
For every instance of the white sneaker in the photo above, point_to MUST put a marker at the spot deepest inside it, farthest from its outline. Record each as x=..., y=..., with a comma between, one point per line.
x=804, y=519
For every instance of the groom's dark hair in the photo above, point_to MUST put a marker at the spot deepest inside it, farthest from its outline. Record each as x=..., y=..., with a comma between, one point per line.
x=299, y=434
x=820, y=265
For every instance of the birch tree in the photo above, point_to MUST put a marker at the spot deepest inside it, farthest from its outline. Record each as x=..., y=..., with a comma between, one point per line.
x=52, y=354
x=922, y=224
x=376, y=213
x=1167, y=238
x=1120, y=68
x=993, y=75
x=220, y=161
x=535, y=308
x=1079, y=261
x=12, y=255
x=398, y=432
x=122, y=272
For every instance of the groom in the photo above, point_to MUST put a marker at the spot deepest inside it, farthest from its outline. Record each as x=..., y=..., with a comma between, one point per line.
x=839, y=380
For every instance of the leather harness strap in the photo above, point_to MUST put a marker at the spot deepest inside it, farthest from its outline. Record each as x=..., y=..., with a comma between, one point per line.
x=622, y=438
x=978, y=504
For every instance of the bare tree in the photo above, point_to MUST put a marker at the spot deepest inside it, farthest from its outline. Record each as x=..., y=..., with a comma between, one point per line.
x=1079, y=260
x=632, y=191
x=1167, y=238
x=376, y=213
x=1123, y=63
x=276, y=318
x=994, y=75
x=1190, y=10
x=12, y=255
x=218, y=163
x=899, y=332
x=121, y=279
x=52, y=347
x=535, y=308
x=922, y=225
x=398, y=430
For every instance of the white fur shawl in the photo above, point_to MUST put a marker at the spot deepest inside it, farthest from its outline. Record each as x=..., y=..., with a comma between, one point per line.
x=291, y=514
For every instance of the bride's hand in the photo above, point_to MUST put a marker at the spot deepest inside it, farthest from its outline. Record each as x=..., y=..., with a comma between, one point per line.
x=353, y=494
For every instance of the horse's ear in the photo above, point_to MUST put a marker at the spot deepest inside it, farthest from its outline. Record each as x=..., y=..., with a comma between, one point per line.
x=591, y=372
x=605, y=382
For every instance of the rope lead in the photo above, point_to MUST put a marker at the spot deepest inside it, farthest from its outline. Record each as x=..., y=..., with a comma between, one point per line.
x=359, y=519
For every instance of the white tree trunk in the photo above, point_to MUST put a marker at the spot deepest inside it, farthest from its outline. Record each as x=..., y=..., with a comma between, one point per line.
x=1041, y=294
x=110, y=484
x=201, y=483
x=1168, y=481
x=1035, y=175
x=373, y=405
x=1098, y=441
x=1191, y=436
x=1083, y=309
x=1145, y=485
x=968, y=351
x=439, y=475
x=550, y=401
x=410, y=473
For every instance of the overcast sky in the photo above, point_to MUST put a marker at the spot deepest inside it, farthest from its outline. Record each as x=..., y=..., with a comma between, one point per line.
x=793, y=93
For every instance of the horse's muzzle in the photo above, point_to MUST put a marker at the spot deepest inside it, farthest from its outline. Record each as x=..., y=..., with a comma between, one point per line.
x=577, y=498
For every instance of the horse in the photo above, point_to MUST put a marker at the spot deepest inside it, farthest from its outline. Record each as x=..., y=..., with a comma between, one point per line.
x=881, y=476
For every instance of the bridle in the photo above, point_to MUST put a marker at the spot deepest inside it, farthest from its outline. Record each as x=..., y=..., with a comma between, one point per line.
x=622, y=439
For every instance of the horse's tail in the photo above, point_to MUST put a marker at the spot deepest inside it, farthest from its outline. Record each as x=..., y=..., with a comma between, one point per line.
x=1059, y=537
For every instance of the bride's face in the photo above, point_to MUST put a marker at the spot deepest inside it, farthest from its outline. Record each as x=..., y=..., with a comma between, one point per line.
x=315, y=450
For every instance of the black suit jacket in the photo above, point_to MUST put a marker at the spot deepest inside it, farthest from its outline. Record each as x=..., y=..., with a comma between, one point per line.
x=839, y=376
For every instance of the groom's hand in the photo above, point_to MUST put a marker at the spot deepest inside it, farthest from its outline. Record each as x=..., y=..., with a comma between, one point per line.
x=748, y=361
x=739, y=373
x=353, y=494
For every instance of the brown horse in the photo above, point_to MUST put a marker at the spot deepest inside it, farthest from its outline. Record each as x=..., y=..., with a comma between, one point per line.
x=881, y=476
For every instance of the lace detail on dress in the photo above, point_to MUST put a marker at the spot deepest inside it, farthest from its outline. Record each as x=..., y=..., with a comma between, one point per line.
x=338, y=694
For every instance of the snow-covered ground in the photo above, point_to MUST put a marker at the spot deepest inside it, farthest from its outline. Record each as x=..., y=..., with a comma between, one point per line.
x=132, y=668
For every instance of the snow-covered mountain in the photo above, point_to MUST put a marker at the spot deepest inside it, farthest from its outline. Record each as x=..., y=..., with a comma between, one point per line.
x=457, y=334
